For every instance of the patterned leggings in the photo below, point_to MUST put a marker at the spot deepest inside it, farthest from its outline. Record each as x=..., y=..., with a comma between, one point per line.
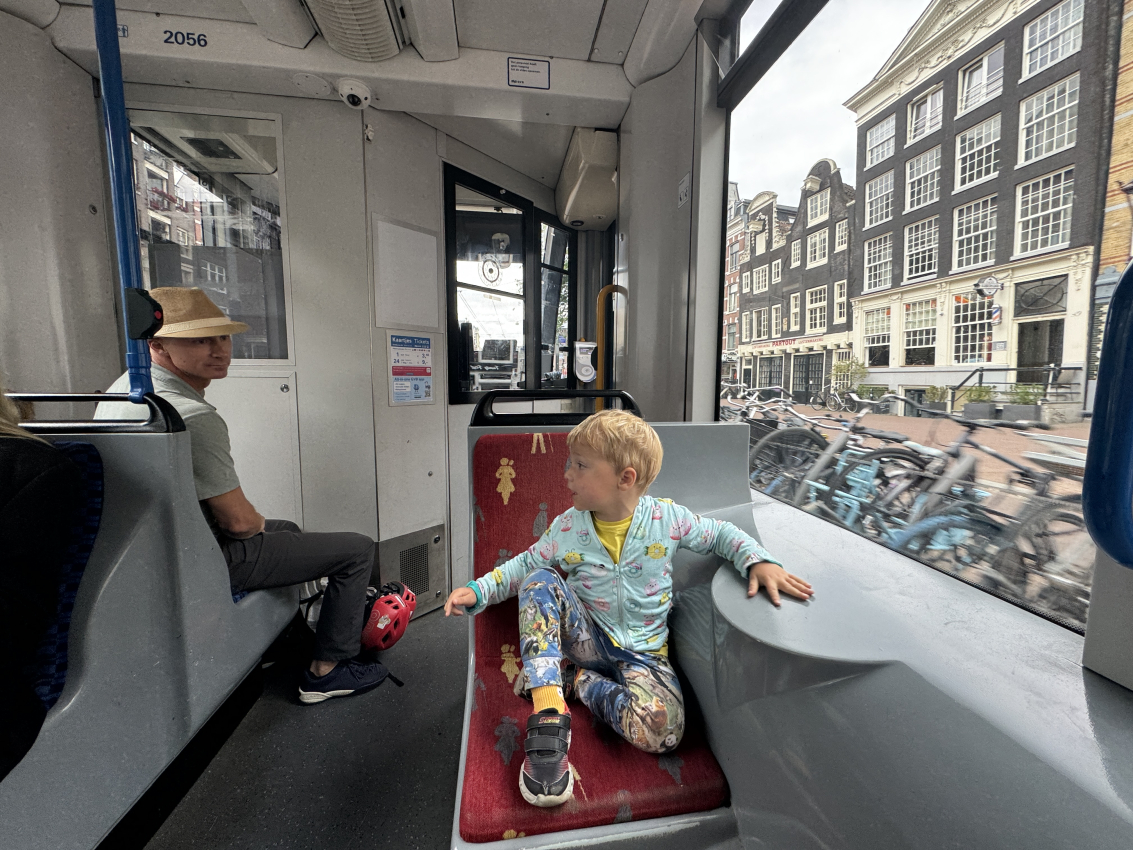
x=637, y=694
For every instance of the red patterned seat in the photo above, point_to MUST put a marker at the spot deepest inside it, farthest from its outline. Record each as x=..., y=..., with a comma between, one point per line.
x=518, y=489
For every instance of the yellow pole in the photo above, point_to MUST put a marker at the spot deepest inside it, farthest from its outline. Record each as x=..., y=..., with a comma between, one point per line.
x=605, y=292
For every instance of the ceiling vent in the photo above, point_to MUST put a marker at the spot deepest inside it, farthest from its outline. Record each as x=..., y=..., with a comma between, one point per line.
x=366, y=30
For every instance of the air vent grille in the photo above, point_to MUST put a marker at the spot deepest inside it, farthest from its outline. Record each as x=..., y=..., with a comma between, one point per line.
x=358, y=29
x=414, y=567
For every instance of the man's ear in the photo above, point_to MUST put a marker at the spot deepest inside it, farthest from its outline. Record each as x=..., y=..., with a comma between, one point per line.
x=628, y=478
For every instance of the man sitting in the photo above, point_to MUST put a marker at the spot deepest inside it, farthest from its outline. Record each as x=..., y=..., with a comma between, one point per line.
x=193, y=349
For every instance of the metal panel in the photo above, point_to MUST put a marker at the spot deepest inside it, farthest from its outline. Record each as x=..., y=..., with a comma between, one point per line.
x=418, y=560
x=615, y=33
x=544, y=27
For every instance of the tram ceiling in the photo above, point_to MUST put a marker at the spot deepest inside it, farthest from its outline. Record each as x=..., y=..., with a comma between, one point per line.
x=238, y=57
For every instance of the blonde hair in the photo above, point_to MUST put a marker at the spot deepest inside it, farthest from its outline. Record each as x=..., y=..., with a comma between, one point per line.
x=622, y=439
x=10, y=419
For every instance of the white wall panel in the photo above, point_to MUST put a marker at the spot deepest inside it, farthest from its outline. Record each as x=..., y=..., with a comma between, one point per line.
x=58, y=313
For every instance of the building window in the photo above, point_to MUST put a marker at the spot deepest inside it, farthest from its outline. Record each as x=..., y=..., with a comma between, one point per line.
x=920, y=248
x=816, y=310
x=770, y=371
x=1044, y=212
x=1053, y=36
x=920, y=333
x=796, y=252
x=839, y=302
x=922, y=179
x=818, y=207
x=1049, y=121
x=877, y=336
x=796, y=311
x=879, y=199
x=1039, y=297
x=215, y=275
x=733, y=256
x=974, y=233
x=971, y=322
x=760, y=279
x=747, y=281
x=879, y=141
x=977, y=153
x=732, y=337
x=745, y=335
x=761, y=324
x=776, y=320
x=879, y=262
x=776, y=271
x=817, y=248
x=925, y=114
x=982, y=80
x=733, y=298
x=841, y=235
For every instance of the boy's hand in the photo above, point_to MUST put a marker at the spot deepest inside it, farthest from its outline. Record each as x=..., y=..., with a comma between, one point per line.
x=774, y=578
x=458, y=600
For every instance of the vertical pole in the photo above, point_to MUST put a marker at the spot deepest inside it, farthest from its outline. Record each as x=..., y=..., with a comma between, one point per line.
x=121, y=185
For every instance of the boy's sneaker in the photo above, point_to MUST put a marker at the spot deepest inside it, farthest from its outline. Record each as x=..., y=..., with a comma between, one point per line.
x=546, y=778
x=348, y=677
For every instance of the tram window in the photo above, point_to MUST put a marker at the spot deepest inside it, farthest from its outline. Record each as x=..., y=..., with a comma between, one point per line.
x=210, y=215
x=507, y=333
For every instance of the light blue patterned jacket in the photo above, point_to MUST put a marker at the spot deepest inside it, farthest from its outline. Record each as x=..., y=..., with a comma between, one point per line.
x=629, y=600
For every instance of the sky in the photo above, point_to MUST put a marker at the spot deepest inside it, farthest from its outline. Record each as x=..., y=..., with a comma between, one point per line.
x=794, y=116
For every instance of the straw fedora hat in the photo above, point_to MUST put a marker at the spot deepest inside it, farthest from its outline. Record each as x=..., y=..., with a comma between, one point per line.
x=188, y=312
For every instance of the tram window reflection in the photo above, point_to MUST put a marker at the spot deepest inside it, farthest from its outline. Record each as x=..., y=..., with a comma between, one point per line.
x=210, y=215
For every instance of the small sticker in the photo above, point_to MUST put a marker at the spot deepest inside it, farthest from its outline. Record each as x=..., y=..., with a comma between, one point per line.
x=683, y=190
x=123, y=31
x=528, y=73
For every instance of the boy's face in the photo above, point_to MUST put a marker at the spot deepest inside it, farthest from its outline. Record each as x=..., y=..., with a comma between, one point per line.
x=593, y=481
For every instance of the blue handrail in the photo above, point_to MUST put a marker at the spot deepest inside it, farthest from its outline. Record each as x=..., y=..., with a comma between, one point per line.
x=1107, y=487
x=121, y=186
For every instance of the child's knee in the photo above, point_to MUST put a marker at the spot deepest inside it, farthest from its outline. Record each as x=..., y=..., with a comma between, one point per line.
x=653, y=734
x=544, y=576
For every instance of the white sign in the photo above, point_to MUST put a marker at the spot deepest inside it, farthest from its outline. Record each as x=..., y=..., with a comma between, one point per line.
x=988, y=286
x=683, y=190
x=410, y=370
x=528, y=73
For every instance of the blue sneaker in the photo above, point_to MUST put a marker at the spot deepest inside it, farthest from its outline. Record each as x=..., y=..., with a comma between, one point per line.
x=347, y=678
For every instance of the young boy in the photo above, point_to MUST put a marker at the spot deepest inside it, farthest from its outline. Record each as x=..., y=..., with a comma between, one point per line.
x=608, y=619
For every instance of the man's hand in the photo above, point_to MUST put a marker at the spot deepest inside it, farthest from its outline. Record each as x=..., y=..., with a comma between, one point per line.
x=235, y=514
x=458, y=600
x=774, y=578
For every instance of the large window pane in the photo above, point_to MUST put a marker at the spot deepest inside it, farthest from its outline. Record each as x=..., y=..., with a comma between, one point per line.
x=489, y=243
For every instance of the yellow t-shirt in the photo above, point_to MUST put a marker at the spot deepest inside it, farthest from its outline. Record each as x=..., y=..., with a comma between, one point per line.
x=612, y=535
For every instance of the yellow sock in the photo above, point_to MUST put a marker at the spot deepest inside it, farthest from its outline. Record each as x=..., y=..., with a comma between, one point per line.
x=549, y=696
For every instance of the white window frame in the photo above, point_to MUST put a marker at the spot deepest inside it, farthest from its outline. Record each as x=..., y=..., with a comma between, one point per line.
x=878, y=257
x=1043, y=114
x=818, y=248
x=923, y=171
x=988, y=151
x=877, y=329
x=745, y=324
x=881, y=140
x=816, y=314
x=935, y=117
x=1060, y=186
x=971, y=327
x=796, y=310
x=759, y=323
x=796, y=252
x=840, y=304
x=733, y=298
x=776, y=320
x=987, y=90
x=920, y=326
x=879, y=200
x=990, y=205
x=818, y=207
x=760, y=282
x=777, y=271
x=746, y=278
x=841, y=235
x=1060, y=27
x=922, y=239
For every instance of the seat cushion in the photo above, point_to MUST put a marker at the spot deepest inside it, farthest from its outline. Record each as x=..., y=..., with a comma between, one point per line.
x=614, y=781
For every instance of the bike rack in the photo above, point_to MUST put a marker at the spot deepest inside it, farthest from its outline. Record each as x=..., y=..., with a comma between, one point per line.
x=1107, y=485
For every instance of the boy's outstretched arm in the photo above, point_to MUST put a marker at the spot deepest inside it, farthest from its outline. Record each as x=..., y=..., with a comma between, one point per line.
x=773, y=578
x=458, y=600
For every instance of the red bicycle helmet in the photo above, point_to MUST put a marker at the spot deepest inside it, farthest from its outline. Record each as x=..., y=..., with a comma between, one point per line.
x=389, y=616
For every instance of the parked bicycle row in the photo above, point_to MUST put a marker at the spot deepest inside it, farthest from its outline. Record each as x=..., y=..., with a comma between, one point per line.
x=1024, y=539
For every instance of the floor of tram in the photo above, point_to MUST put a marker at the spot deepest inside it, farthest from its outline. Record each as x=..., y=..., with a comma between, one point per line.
x=375, y=771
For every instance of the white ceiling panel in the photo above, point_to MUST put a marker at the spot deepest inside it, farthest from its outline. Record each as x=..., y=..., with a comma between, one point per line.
x=217, y=10
x=563, y=28
x=535, y=150
x=619, y=22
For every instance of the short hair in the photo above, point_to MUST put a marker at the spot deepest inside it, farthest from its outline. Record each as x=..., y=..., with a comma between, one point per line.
x=622, y=439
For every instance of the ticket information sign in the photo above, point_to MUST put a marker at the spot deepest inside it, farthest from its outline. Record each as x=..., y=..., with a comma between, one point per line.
x=410, y=370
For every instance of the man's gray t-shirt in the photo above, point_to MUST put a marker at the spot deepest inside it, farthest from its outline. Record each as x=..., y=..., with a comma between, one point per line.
x=213, y=470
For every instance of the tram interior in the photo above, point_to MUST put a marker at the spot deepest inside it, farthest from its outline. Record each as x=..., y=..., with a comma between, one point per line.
x=405, y=224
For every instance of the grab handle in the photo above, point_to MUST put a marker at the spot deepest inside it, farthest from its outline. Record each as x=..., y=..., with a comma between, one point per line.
x=484, y=415
x=163, y=417
x=1107, y=486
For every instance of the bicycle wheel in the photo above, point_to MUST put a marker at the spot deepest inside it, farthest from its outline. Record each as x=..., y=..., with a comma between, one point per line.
x=1058, y=554
x=876, y=492
x=956, y=543
x=778, y=462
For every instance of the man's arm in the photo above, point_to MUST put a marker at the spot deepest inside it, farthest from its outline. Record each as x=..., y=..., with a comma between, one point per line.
x=235, y=514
